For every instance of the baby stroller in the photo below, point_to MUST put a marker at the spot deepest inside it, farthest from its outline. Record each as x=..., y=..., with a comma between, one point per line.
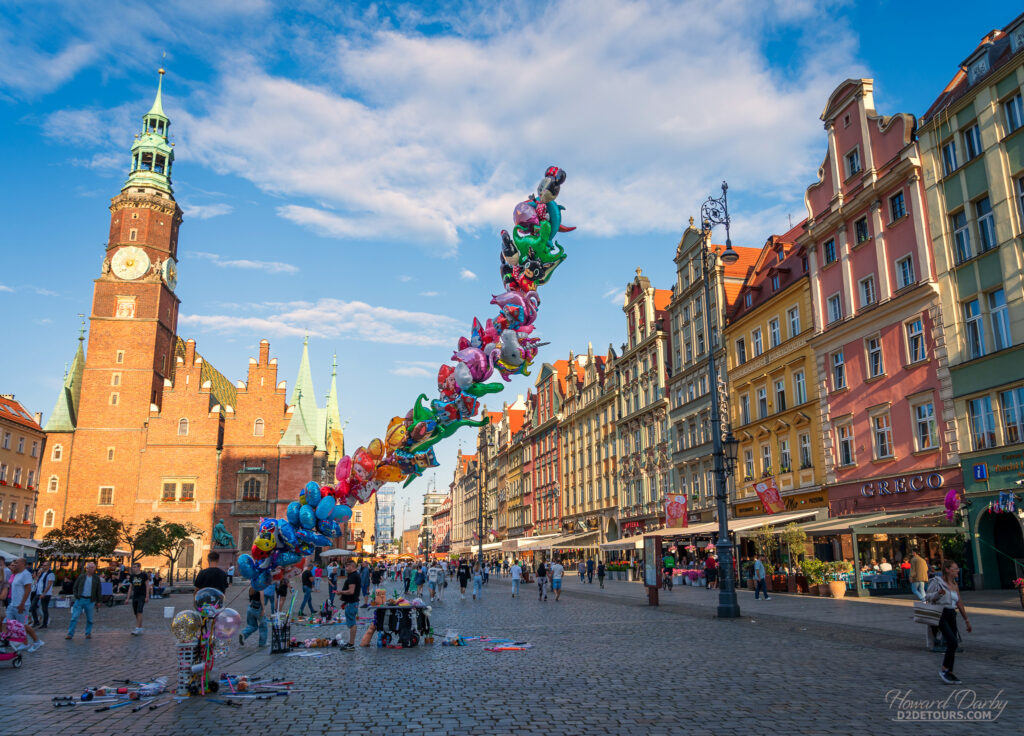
x=12, y=634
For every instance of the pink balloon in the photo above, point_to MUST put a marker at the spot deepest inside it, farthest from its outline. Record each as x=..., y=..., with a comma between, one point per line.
x=343, y=469
x=226, y=624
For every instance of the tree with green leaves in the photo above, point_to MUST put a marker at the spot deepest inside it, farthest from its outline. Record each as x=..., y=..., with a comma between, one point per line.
x=795, y=539
x=167, y=539
x=83, y=537
x=765, y=540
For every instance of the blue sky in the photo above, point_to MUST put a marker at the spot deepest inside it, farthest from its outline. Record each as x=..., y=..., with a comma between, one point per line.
x=345, y=168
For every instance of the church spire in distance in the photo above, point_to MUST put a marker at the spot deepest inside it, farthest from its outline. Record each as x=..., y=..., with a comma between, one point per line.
x=152, y=152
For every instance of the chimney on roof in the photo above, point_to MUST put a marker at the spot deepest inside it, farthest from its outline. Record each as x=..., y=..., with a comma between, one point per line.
x=264, y=352
x=38, y=417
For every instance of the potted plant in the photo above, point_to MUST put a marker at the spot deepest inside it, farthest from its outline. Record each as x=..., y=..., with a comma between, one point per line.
x=814, y=569
x=836, y=584
x=795, y=539
x=747, y=574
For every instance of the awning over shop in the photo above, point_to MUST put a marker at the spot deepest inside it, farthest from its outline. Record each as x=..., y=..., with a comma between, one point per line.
x=774, y=520
x=542, y=542
x=636, y=542
x=587, y=539
x=491, y=546
x=931, y=520
x=685, y=531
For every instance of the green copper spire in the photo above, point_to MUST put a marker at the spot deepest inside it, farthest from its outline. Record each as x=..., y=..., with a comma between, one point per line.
x=308, y=420
x=152, y=152
x=64, y=416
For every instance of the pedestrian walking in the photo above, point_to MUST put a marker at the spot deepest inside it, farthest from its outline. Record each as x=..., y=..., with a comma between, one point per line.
x=581, y=568
x=307, y=592
x=760, y=581
x=42, y=592
x=478, y=581
x=504, y=568
x=19, y=588
x=140, y=589
x=516, y=571
x=710, y=572
x=332, y=582
x=376, y=578
x=464, y=574
x=542, y=581
x=590, y=571
x=231, y=573
x=282, y=593
x=86, y=591
x=350, y=603
x=407, y=577
x=557, y=572
x=918, y=575
x=254, y=620
x=487, y=572
x=211, y=576
x=600, y=573
x=944, y=591
x=432, y=575
x=364, y=582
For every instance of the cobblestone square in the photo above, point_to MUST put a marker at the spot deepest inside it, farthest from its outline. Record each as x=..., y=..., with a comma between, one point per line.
x=601, y=662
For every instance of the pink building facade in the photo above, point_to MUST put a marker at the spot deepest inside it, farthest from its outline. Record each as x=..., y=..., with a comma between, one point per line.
x=887, y=410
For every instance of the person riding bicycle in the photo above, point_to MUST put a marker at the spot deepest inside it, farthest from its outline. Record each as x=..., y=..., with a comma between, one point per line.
x=668, y=564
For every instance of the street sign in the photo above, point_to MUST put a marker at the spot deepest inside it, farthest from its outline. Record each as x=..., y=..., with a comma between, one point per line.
x=981, y=471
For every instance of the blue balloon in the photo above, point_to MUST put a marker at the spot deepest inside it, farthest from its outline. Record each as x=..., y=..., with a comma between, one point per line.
x=325, y=507
x=329, y=527
x=262, y=580
x=306, y=517
x=288, y=558
x=305, y=536
x=306, y=549
x=292, y=512
x=286, y=534
x=246, y=566
x=342, y=512
x=321, y=541
x=312, y=493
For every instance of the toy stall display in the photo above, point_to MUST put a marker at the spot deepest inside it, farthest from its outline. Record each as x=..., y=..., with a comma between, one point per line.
x=203, y=635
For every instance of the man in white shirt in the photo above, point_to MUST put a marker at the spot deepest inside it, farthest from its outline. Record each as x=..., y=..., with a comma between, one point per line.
x=886, y=566
x=432, y=575
x=555, y=572
x=21, y=594
x=516, y=571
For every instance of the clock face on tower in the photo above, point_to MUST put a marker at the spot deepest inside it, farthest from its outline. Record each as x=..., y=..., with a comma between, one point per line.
x=170, y=273
x=129, y=263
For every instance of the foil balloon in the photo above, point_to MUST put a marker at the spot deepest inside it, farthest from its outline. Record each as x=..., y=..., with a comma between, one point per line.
x=246, y=566
x=208, y=601
x=288, y=558
x=226, y=624
x=342, y=513
x=325, y=507
x=312, y=493
x=307, y=517
x=186, y=625
x=329, y=527
x=292, y=512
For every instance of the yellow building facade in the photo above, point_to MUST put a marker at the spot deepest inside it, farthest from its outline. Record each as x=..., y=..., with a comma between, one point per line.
x=773, y=382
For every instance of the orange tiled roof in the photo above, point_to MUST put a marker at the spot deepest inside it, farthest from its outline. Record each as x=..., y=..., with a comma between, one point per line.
x=747, y=258
x=13, y=411
x=516, y=417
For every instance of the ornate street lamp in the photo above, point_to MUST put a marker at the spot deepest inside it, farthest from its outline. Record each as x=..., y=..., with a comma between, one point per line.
x=716, y=212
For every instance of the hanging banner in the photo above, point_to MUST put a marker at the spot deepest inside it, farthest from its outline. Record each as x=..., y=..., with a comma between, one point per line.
x=675, y=512
x=770, y=497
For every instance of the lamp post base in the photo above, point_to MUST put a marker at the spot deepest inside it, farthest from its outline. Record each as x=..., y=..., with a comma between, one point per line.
x=727, y=608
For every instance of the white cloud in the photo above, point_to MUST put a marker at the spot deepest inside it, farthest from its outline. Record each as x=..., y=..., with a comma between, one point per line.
x=335, y=317
x=416, y=368
x=268, y=266
x=5, y=288
x=648, y=105
x=466, y=275
x=615, y=295
x=206, y=211
x=430, y=293
x=404, y=278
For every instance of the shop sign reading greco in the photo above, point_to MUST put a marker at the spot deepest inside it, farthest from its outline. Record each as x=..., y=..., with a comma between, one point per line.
x=902, y=484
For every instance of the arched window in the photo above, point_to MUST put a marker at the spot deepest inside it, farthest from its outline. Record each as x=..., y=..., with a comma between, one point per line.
x=257, y=428
x=251, y=490
x=53, y=485
x=182, y=427
x=48, y=518
x=57, y=453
